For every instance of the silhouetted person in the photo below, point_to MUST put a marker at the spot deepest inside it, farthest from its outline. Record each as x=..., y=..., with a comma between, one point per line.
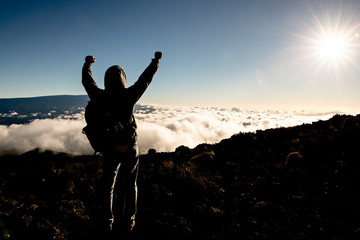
x=121, y=158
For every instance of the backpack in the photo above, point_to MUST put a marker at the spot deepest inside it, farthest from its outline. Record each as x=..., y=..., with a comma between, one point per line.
x=102, y=131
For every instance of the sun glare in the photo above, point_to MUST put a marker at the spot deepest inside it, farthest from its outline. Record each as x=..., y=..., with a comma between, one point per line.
x=333, y=47
x=330, y=42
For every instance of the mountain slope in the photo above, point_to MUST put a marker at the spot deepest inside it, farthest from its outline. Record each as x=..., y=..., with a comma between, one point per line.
x=24, y=110
x=41, y=104
x=286, y=183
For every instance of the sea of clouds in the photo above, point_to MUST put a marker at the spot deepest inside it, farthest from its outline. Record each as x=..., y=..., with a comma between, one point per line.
x=160, y=127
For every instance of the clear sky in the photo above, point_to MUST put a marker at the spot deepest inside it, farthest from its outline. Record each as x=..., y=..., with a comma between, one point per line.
x=275, y=54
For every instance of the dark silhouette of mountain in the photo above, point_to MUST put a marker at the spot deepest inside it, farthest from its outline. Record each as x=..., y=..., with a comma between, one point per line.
x=24, y=110
x=288, y=183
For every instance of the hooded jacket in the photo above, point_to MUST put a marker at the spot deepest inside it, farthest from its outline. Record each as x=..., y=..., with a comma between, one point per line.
x=119, y=100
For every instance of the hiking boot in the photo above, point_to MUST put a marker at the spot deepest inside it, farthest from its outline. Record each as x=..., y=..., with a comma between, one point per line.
x=123, y=228
x=108, y=226
x=131, y=225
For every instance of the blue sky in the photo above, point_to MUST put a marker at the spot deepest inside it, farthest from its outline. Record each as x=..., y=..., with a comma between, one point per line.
x=249, y=54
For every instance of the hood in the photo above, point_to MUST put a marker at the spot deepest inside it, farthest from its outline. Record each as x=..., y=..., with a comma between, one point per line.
x=115, y=79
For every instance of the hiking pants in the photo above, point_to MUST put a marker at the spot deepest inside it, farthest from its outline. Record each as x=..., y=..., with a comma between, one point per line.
x=120, y=171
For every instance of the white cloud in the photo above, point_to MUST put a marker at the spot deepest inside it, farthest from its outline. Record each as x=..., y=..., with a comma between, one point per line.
x=166, y=127
x=161, y=127
x=53, y=134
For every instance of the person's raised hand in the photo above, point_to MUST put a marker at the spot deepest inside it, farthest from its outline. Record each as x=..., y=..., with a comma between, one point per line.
x=158, y=55
x=90, y=59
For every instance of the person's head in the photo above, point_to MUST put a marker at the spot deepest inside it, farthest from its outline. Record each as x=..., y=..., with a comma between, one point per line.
x=115, y=79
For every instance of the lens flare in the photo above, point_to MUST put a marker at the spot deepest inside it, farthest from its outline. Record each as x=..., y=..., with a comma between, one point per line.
x=329, y=43
x=333, y=47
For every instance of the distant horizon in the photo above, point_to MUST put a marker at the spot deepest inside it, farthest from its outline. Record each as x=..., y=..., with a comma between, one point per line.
x=325, y=110
x=44, y=96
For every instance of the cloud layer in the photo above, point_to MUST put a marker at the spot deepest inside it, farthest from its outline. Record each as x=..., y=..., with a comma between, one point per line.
x=160, y=127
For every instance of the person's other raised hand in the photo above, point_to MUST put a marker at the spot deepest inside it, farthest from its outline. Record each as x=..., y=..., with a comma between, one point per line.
x=90, y=59
x=158, y=55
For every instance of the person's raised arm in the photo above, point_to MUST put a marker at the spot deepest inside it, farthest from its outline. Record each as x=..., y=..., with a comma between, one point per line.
x=139, y=87
x=87, y=80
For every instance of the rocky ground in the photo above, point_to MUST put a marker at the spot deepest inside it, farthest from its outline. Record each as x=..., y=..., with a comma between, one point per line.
x=287, y=183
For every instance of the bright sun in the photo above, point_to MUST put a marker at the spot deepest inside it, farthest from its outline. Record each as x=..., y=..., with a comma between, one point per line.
x=333, y=47
x=330, y=42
